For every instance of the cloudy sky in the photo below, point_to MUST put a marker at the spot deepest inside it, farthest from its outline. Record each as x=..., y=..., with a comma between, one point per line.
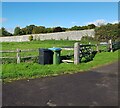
x=52, y=14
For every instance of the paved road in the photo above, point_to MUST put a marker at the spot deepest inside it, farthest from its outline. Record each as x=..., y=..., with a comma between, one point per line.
x=98, y=87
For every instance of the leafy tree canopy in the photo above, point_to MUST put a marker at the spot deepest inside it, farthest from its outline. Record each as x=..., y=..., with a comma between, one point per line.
x=4, y=32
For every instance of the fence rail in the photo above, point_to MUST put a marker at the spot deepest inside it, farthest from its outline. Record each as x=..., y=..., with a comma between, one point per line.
x=15, y=51
x=8, y=51
x=86, y=51
x=18, y=57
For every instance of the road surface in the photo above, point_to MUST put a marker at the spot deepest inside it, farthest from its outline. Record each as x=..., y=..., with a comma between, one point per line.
x=98, y=87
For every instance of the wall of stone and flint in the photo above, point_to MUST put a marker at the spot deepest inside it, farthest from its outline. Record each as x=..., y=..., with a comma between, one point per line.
x=69, y=35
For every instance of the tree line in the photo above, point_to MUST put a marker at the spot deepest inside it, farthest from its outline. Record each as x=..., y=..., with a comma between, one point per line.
x=102, y=33
x=32, y=29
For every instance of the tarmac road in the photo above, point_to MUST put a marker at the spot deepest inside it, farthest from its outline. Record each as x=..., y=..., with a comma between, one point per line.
x=98, y=87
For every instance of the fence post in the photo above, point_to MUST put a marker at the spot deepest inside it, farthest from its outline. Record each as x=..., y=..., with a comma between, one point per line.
x=97, y=48
x=18, y=56
x=76, y=53
x=110, y=45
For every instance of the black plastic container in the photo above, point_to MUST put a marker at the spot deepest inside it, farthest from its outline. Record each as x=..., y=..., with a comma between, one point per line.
x=45, y=56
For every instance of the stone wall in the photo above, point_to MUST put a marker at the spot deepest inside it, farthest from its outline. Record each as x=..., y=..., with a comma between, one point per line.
x=69, y=35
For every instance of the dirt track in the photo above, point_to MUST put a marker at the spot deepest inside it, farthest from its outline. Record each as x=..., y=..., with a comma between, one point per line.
x=98, y=87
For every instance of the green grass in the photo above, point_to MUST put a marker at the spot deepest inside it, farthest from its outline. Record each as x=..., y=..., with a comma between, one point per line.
x=37, y=45
x=34, y=70
x=40, y=44
x=34, y=45
x=29, y=70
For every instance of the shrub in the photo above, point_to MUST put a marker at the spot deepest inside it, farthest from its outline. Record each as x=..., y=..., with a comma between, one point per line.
x=30, y=38
x=107, y=32
x=57, y=29
x=87, y=38
x=8, y=60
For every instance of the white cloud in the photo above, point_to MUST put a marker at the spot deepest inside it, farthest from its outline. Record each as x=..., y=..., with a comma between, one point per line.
x=2, y=20
x=98, y=22
x=114, y=22
x=102, y=22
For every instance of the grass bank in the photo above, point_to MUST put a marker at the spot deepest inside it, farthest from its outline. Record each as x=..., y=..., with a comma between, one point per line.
x=33, y=70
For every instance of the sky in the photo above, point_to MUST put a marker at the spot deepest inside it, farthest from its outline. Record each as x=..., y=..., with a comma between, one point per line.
x=53, y=14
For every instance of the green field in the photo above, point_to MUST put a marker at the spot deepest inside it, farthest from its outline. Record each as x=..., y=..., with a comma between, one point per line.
x=38, y=44
x=28, y=70
x=35, y=44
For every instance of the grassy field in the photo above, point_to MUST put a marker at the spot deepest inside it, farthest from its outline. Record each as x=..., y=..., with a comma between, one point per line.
x=30, y=70
x=39, y=44
x=36, y=44
x=33, y=70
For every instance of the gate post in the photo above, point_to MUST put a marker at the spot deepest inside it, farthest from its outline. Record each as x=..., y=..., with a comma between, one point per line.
x=76, y=53
x=18, y=56
x=110, y=45
x=97, y=48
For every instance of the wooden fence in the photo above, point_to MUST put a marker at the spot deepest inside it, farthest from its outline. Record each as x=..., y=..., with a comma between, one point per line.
x=86, y=51
x=80, y=51
x=18, y=55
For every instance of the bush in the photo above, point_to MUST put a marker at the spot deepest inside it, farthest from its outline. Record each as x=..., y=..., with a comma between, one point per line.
x=107, y=32
x=87, y=38
x=8, y=60
x=57, y=29
x=30, y=38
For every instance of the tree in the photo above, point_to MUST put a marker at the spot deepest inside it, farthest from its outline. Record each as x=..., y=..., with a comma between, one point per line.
x=76, y=28
x=29, y=29
x=91, y=26
x=84, y=27
x=57, y=29
x=64, y=29
x=23, y=31
x=106, y=32
x=17, y=31
x=49, y=30
x=4, y=32
x=39, y=29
